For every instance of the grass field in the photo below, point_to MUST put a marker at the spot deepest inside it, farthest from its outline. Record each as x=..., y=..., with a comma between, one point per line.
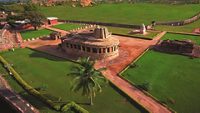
x=124, y=13
x=68, y=26
x=125, y=31
x=172, y=78
x=40, y=69
x=35, y=33
x=186, y=28
x=170, y=36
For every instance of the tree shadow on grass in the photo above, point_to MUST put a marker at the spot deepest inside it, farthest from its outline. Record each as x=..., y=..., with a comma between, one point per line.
x=142, y=110
x=33, y=100
x=45, y=55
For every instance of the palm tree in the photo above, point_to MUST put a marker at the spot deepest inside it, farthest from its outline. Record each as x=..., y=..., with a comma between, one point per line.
x=87, y=78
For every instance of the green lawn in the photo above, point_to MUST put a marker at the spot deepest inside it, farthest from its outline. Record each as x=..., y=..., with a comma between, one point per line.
x=68, y=26
x=170, y=36
x=40, y=69
x=172, y=77
x=35, y=33
x=125, y=31
x=123, y=13
x=186, y=28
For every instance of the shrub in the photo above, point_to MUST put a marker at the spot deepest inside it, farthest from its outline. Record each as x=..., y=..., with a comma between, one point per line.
x=145, y=86
x=74, y=107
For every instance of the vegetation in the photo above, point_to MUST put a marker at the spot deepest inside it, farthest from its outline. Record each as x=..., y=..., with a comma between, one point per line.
x=126, y=13
x=174, y=79
x=51, y=71
x=31, y=12
x=170, y=36
x=35, y=33
x=87, y=78
x=24, y=11
x=68, y=26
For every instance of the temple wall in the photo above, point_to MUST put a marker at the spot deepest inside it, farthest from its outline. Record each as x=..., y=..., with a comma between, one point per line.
x=100, y=53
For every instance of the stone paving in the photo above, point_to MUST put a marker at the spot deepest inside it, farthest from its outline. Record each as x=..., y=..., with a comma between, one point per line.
x=14, y=99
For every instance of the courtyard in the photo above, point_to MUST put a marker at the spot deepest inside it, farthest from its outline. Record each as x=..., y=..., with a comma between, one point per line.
x=173, y=79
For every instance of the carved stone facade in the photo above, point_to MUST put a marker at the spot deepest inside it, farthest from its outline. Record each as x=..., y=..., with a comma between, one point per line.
x=96, y=44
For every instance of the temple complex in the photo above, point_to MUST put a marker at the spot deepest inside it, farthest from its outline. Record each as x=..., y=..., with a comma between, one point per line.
x=97, y=43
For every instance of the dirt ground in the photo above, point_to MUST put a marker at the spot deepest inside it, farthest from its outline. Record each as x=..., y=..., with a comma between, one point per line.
x=197, y=31
x=129, y=50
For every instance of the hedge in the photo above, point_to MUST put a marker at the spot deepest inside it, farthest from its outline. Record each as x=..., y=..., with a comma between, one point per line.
x=73, y=106
x=32, y=91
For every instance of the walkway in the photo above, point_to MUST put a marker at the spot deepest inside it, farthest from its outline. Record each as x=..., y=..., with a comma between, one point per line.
x=14, y=99
x=55, y=29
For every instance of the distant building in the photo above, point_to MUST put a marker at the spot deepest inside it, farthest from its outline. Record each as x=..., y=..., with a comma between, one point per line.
x=96, y=44
x=52, y=20
x=22, y=24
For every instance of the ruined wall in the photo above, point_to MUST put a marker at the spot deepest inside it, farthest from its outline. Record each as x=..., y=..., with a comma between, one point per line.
x=102, y=23
x=181, y=22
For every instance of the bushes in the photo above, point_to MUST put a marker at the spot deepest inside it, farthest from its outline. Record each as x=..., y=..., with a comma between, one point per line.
x=74, y=107
x=34, y=92
x=145, y=86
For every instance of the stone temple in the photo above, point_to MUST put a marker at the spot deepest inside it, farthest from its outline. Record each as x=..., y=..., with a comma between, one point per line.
x=96, y=43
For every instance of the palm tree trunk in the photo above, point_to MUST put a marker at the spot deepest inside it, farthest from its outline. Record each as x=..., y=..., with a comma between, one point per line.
x=91, y=100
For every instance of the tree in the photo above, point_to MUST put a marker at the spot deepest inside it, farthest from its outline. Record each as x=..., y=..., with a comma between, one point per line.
x=31, y=12
x=87, y=78
x=36, y=18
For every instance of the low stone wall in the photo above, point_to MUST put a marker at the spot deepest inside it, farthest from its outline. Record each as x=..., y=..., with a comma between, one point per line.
x=102, y=23
x=181, y=22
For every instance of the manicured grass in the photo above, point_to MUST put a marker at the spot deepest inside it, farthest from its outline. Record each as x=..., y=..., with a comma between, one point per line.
x=68, y=26
x=172, y=77
x=124, y=13
x=186, y=28
x=35, y=33
x=40, y=69
x=170, y=36
x=125, y=31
